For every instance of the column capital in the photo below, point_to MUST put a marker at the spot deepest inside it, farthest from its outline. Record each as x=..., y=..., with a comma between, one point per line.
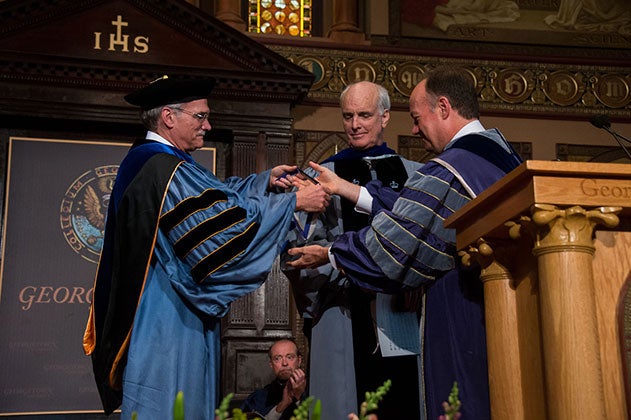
x=565, y=229
x=492, y=257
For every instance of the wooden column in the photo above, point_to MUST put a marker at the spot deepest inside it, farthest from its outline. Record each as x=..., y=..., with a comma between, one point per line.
x=229, y=12
x=515, y=378
x=564, y=251
x=345, y=20
x=612, y=267
x=564, y=278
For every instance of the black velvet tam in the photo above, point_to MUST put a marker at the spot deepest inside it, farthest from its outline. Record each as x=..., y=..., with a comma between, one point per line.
x=166, y=90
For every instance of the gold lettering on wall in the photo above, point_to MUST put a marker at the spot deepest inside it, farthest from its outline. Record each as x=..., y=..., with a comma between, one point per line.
x=563, y=87
x=30, y=295
x=118, y=41
x=613, y=89
x=593, y=188
x=407, y=77
x=359, y=70
x=317, y=67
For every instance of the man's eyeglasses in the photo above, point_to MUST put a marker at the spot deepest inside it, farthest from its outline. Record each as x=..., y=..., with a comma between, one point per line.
x=199, y=116
x=279, y=358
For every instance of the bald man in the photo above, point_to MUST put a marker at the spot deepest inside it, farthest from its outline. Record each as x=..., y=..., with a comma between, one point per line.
x=345, y=357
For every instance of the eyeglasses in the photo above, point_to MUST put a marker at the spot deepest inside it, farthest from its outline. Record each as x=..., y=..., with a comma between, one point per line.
x=279, y=358
x=199, y=116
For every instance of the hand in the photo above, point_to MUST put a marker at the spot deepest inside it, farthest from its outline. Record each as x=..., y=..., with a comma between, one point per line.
x=297, y=384
x=293, y=390
x=285, y=400
x=327, y=178
x=310, y=256
x=333, y=184
x=312, y=198
x=279, y=176
x=302, y=180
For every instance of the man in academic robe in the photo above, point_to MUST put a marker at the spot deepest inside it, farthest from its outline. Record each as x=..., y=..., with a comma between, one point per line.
x=346, y=360
x=406, y=247
x=180, y=245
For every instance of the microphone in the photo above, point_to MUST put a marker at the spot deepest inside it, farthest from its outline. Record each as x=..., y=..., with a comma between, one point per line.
x=603, y=121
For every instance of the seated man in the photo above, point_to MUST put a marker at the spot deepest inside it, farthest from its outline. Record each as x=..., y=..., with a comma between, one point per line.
x=279, y=399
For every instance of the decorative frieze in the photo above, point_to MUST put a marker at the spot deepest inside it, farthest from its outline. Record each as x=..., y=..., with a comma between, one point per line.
x=503, y=86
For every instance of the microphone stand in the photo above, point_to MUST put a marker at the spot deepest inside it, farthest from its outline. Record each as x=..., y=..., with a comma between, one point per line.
x=619, y=138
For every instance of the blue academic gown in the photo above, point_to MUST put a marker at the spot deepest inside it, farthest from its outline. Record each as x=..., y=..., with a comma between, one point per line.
x=407, y=247
x=180, y=246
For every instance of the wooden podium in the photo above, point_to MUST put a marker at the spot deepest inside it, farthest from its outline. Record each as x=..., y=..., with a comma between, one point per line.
x=553, y=240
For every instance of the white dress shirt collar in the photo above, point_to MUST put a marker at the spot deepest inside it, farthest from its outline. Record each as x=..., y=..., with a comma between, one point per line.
x=472, y=127
x=157, y=137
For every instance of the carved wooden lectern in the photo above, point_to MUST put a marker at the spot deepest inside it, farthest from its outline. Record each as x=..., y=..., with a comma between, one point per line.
x=553, y=240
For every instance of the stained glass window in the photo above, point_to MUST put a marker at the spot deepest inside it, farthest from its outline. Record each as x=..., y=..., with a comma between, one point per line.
x=283, y=17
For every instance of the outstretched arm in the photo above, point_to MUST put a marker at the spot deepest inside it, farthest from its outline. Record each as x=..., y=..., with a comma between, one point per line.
x=333, y=184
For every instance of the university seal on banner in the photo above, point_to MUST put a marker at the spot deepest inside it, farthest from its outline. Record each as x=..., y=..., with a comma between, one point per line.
x=83, y=210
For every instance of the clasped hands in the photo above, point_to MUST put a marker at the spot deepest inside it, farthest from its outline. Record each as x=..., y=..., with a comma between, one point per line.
x=329, y=183
x=286, y=176
x=311, y=196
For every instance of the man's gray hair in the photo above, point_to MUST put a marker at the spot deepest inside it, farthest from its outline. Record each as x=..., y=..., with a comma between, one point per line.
x=150, y=117
x=384, y=97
